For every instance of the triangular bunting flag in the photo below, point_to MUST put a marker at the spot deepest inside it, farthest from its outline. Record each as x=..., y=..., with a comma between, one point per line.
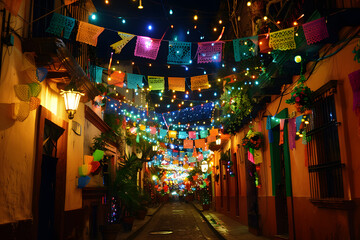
x=125, y=38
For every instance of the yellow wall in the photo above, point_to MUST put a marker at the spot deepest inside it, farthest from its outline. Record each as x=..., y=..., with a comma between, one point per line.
x=17, y=140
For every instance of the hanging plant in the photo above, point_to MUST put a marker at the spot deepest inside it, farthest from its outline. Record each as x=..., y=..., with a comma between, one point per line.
x=301, y=96
x=236, y=105
x=253, y=140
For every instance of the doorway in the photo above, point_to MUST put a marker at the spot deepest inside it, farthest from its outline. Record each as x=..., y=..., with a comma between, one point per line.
x=252, y=196
x=49, y=176
x=281, y=211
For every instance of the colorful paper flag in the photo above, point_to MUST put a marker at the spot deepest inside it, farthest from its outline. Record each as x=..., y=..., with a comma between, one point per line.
x=283, y=40
x=200, y=143
x=117, y=78
x=179, y=52
x=176, y=84
x=60, y=23
x=134, y=80
x=88, y=33
x=96, y=73
x=147, y=47
x=203, y=133
x=192, y=134
x=199, y=82
x=172, y=134
x=209, y=52
x=244, y=48
x=315, y=31
x=183, y=135
x=156, y=83
x=214, y=132
x=125, y=38
x=188, y=144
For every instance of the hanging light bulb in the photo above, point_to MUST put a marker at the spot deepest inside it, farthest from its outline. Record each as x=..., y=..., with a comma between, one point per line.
x=140, y=5
x=195, y=17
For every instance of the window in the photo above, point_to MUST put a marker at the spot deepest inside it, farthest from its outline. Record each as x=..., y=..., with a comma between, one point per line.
x=325, y=167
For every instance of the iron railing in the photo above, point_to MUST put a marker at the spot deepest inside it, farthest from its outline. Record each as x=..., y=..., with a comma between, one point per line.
x=325, y=167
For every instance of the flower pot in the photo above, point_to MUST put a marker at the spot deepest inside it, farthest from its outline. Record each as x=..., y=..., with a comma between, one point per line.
x=128, y=222
x=110, y=231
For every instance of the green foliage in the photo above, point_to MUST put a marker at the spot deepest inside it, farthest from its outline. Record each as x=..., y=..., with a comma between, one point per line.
x=125, y=186
x=301, y=96
x=225, y=156
x=253, y=140
x=236, y=105
x=205, y=197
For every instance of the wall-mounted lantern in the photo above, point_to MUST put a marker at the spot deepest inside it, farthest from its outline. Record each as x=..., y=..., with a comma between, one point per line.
x=71, y=99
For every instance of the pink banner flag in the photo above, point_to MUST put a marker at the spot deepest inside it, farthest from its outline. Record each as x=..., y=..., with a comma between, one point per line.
x=209, y=52
x=315, y=31
x=147, y=47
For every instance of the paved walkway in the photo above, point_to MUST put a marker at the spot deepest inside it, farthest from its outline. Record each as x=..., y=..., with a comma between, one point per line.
x=223, y=226
x=226, y=227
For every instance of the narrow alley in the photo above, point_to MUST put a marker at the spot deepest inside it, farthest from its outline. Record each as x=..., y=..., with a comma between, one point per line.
x=179, y=119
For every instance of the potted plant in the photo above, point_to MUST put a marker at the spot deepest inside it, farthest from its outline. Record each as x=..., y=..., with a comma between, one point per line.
x=205, y=198
x=125, y=189
x=301, y=96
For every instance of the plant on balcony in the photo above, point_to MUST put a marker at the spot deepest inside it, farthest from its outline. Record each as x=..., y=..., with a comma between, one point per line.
x=253, y=140
x=236, y=105
x=301, y=96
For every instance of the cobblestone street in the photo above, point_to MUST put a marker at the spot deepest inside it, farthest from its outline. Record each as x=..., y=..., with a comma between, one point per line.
x=177, y=220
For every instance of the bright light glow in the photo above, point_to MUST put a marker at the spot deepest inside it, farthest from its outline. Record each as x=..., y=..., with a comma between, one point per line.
x=150, y=27
x=220, y=21
x=248, y=3
x=214, y=29
x=71, y=99
x=188, y=32
x=174, y=193
x=171, y=12
x=234, y=69
x=218, y=141
x=195, y=17
x=140, y=5
x=297, y=59
x=265, y=18
x=123, y=21
x=154, y=177
x=106, y=1
x=93, y=16
x=186, y=68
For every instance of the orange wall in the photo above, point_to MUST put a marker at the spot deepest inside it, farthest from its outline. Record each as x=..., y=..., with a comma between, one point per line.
x=309, y=219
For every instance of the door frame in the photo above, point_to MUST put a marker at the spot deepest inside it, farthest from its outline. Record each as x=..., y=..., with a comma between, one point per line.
x=42, y=114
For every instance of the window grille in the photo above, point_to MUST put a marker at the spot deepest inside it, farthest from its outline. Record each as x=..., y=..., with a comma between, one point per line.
x=325, y=167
